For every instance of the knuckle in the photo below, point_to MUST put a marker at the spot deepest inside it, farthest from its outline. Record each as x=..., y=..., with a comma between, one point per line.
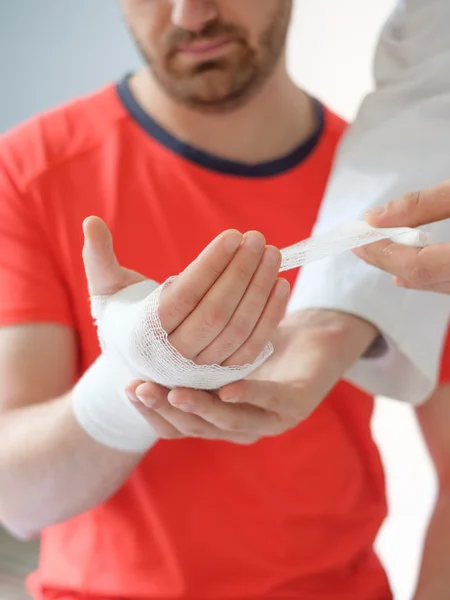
x=177, y=303
x=238, y=329
x=214, y=317
x=168, y=312
x=419, y=274
x=275, y=404
x=213, y=270
x=243, y=272
x=252, y=350
x=220, y=353
x=262, y=288
x=412, y=200
x=271, y=319
x=187, y=300
x=232, y=424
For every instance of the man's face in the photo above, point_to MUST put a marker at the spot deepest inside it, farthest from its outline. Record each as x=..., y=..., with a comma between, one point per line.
x=210, y=54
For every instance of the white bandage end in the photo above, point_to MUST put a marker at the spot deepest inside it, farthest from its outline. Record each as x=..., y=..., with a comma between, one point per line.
x=103, y=410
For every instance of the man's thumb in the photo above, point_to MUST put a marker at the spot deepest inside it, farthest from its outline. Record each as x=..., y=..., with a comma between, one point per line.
x=103, y=272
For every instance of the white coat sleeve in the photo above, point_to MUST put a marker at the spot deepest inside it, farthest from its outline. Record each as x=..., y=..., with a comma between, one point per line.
x=400, y=142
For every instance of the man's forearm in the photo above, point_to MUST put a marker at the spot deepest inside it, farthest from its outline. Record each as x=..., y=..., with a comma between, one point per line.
x=50, y=470
x=434, y=581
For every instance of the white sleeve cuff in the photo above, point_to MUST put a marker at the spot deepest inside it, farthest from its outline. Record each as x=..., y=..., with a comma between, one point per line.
x=413, y=324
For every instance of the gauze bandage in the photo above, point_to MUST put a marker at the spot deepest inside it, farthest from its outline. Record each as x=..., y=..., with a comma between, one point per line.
x=347, y=237
x=135, y=345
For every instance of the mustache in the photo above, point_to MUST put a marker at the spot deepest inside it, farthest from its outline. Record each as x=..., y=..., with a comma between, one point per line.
x=181, y=37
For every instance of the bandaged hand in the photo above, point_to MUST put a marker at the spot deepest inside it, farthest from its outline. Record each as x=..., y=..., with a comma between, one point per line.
x=222, y=310
x=313, y=349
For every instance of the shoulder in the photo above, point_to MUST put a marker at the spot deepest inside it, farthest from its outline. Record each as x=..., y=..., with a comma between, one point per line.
x=32, y=149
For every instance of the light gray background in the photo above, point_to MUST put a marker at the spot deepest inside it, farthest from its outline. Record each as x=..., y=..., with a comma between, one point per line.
x=52, y=50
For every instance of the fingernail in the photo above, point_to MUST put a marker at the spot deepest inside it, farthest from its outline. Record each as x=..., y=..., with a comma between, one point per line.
x=375, y=212
x=232, y=400
x=147, y=401
x=132, y=397
x=255, y=241
x=232, y=242
x=272, y=256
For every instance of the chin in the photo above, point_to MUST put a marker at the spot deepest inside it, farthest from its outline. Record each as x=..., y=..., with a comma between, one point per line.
x=216, y=105
x=212, y=93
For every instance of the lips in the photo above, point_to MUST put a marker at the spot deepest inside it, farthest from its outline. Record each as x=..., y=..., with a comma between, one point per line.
x=205, y=47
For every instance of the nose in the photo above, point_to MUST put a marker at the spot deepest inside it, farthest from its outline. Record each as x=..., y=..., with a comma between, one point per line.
x=193, y=15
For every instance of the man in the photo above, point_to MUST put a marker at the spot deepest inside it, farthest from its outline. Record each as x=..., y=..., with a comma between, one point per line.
x=187, y=145
x=190, y=140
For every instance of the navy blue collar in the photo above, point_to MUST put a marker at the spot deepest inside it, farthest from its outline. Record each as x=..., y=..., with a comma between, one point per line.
x=211, y=161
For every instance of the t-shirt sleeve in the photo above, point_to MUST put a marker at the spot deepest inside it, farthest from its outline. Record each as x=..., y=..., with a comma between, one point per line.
x=399, y=143
x=31, y=287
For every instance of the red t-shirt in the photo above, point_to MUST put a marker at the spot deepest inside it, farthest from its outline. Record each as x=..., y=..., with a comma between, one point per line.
x=291, y=517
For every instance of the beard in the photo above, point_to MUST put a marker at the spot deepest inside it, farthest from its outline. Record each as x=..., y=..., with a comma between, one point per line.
x=225, y=83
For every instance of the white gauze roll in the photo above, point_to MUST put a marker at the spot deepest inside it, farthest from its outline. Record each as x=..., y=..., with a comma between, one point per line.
x=135, y=345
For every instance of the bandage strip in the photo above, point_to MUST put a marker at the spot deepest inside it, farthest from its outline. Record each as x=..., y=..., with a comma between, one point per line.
x=347, y=237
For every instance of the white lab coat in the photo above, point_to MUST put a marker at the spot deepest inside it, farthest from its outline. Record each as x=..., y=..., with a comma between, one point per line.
x=399, y=142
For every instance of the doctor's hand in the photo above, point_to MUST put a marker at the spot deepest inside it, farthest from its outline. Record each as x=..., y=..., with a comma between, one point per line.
x=416, y=268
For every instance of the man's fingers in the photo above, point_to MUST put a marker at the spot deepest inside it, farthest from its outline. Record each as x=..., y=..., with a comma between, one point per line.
x=421, y=268
x=171, y=422
x=160, y=426
x=181, y=298
x=217, y=307
x=257, y=300
x=192, y=425
x=266, y=327
x=287, y=399
x=226, y=417
x=150, y=394
x=414, y=209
